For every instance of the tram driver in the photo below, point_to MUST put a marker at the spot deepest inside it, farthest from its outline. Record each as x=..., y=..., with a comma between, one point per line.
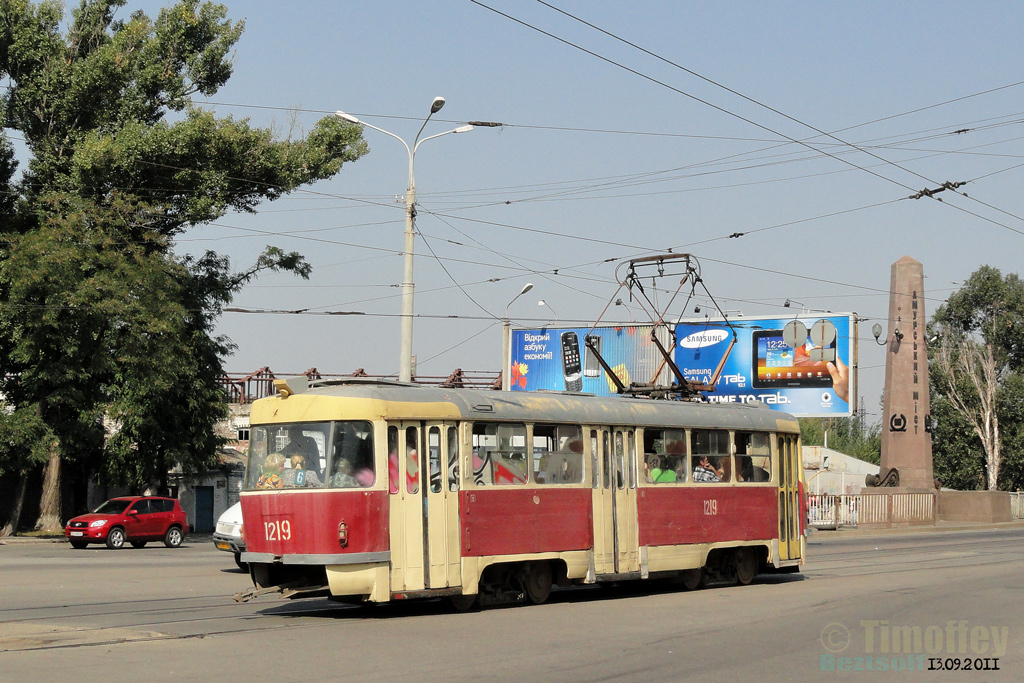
x=302, y=445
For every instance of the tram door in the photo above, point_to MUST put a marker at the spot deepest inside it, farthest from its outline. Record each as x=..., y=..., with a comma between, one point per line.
x=789, y=498
x=425, y=507
x=616, y=540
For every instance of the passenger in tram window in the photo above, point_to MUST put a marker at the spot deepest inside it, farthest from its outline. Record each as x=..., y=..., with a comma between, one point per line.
x=649, y=460
x=572, y=465
x=745, y=467
x=651, y=463
x=664, y=472
x=752, y=472
x=365, y=477
x=273, y=468
x=705, y=470
x=724, y=464
x=681, y=469
x=412, y=470
x=343, y=476
x=393, y=471
x=297, y=475
x=675, y=460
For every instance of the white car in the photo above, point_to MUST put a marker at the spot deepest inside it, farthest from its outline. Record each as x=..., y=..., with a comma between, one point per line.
x=228, y=535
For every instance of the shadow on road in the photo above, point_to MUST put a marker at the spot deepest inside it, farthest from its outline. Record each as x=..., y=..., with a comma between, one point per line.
x=326, y=608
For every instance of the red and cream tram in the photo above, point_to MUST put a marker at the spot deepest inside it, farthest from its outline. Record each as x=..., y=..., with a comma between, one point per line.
x=375, y=491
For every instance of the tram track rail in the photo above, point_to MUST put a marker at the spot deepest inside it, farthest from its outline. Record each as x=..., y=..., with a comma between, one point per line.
x=102, y=623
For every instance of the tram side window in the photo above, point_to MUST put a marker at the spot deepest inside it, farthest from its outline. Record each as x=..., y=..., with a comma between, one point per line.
x=259, y=449
x=710, y=460
x=499, y=453
x=557, y=454
x=412, y=460
x=393, y=459
x=620, y=456
x=753, y=457
x=631, y=458
x=664, y=456
x=434, y=458
x=352, y=462
x=453, y=459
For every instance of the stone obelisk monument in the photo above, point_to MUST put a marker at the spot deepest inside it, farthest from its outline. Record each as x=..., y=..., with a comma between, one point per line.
x=906, y=423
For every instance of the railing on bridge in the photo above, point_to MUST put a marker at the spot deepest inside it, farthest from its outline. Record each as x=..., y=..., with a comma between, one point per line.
x=834, y=511
x=260, y=384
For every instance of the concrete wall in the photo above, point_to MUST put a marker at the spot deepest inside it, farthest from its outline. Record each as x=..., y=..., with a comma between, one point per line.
x=974, y=506
x=830, y=472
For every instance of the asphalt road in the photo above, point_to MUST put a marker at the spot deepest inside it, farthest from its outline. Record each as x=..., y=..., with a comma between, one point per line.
x=867, y=607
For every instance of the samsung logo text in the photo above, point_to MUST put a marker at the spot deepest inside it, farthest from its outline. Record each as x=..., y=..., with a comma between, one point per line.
x=706, y=338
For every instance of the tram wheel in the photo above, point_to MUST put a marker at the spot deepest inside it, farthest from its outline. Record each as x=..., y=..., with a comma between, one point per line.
x=537, y=582
x=746, y=566
x=691, y=579
x=463, y=603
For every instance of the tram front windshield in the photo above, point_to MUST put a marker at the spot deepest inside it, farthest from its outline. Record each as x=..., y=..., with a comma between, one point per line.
x=311, y=455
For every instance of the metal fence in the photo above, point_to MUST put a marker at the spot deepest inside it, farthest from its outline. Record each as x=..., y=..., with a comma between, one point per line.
x=834, y=511
x=1017, y=505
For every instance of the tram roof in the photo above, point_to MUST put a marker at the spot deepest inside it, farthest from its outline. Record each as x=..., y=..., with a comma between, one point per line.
x=544, y=406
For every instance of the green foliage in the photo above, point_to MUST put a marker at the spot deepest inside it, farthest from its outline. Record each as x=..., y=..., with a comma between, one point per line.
x=849, y=435
x=1011, y=424
x=24, y=439
x=956, y=449
x=99, y=319
x=989, y=306
x=987, y=312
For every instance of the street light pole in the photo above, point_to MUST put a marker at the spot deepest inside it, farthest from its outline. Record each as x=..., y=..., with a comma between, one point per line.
x=506, y=380
x=408, y=288
x=544, y=303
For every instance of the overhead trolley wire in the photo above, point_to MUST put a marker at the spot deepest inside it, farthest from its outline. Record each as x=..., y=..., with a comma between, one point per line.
x=738, y=116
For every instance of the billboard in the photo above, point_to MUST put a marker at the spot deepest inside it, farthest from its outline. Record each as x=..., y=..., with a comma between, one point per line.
x=801, y=365
x=557, y=359
x=782, y=362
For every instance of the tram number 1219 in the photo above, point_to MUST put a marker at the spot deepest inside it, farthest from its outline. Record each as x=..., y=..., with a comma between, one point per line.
x=711, y=507
x=278, y=530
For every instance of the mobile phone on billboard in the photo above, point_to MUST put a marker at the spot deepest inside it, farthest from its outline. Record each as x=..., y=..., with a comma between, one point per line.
x=571, y=362
x=592, y=368
x=777, y=365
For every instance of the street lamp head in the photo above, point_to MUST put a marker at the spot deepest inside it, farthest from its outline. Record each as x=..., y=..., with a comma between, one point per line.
x=436, y=105
x=346, y=117
x=526, y=288
x=463, y=129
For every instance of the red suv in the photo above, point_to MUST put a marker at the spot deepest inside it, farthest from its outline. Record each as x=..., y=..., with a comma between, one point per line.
x=136, y=519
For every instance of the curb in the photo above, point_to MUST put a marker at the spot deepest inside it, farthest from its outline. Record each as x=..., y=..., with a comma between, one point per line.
x=20, y=540
x=14, y=540
x=919, y=529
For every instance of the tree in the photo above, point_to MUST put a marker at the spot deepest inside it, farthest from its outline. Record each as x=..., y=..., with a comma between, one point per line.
x=976, y=366
x=849, y=435
x=98, y=316
x=24, y=442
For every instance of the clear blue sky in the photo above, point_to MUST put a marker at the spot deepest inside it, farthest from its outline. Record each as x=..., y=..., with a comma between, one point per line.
x=598, y=163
